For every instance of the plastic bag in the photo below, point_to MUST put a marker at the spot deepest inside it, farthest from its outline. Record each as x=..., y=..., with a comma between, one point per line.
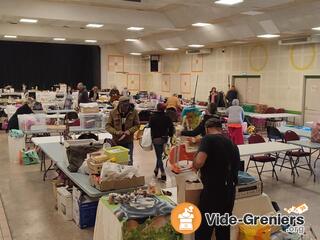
x=146, y=140
x=254, y=232
x=315, y=133
x=113, y=171
x=30, y=157
x=84, y=169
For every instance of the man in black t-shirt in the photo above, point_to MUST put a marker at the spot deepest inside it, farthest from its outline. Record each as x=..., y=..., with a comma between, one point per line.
x=218, y=160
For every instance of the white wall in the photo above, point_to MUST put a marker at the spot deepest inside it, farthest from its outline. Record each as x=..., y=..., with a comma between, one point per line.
x=282, y=70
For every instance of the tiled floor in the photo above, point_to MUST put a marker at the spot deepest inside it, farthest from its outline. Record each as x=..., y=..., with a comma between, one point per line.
x=4, y=227
x=29, y=203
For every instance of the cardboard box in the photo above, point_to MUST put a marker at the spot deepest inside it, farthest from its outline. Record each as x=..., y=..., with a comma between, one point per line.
x=64, y=203
x=94, y=168
x=117, y=184
x=55, y=185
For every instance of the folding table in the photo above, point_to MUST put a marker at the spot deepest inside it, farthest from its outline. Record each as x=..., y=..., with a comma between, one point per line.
x=313, y=148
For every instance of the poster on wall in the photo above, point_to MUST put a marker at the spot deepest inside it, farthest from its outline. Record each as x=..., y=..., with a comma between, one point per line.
x=165, y=82
x=116, y=63
x=185, y=83
x=133, y=82
x=196, y=63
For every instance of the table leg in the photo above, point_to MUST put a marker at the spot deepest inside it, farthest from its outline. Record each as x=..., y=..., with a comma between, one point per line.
x=47, y=170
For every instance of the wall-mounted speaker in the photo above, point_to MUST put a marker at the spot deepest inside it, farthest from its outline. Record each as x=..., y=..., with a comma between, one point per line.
x=154, y=63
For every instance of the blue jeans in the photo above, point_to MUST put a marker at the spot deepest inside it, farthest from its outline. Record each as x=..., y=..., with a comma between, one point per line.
x=130, y=147
x=159, y=151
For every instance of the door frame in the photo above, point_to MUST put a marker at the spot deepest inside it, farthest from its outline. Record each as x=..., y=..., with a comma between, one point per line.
x=304, y=94
x=245, y=77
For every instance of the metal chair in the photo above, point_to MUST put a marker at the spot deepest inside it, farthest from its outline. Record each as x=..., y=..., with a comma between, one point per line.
x=267, y=158
x=273, y=133
x=295, y=156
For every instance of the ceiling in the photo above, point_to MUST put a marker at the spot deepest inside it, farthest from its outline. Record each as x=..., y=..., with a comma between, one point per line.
x=167, y=23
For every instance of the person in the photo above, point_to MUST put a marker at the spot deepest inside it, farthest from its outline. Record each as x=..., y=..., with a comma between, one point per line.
x=83, y=96
x=122, y=123
x=68, y=102
x=94, y=94
x=231, y=95
x=200, y=129
x=218, y=160
x=235, y=112
x=235, y=119
x=213, y=96
x=161, y=128
x=173, y=102
x=114, y=94
x=26, y=108
x=125, y=92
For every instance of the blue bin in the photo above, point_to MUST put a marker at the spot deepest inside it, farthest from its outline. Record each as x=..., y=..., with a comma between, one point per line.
x=88, y=212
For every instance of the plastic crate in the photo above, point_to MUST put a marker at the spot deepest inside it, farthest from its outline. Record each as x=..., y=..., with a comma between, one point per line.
x=32, y=122
x=87, y=214
x=91, y=120
x=119, y=153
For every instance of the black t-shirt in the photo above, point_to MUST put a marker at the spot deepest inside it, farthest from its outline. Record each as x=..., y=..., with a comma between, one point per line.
x=222, y=164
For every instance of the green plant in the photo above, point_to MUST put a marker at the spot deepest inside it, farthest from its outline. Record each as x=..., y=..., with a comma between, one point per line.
x=144, y=232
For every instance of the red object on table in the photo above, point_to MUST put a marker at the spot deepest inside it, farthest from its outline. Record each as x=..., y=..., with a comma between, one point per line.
x=179, y=153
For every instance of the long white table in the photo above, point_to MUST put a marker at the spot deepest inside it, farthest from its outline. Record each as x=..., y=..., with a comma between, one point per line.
x=56, y=139
x=313, y=148
x=271, y=115
x=57, y=153
x=265, y=148
x=301, y=132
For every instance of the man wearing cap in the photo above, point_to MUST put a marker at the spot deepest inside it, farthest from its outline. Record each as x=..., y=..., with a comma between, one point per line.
x=123, y=122
x=218, y=160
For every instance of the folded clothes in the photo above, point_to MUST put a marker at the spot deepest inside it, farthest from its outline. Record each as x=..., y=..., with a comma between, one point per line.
x=245, y=178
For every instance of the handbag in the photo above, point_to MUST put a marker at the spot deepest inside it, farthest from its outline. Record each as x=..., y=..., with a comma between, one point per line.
x=30, y=157
x=146, y=140
x=78, y=153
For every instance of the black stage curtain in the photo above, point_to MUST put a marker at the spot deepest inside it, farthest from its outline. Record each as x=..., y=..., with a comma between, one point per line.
x=46, y=64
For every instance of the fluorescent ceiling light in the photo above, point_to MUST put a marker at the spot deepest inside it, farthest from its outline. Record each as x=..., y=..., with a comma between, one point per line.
x=196, y=45
x=94, y=25
x=228, y=2
x=136, y=54
x=28, y=20
x=135, y=28
x=90, y=41
x=268, y=36
x=59, y=39
x=199, y=24
x=131, y=40
x=10, y=36
x=239, y=42
x=172, y=49
x=252, y=13
x=316, y=28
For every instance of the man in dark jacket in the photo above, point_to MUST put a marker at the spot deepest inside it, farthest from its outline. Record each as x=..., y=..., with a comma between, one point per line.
x=83, y=96
x=24, y=109
x=218, y=160
x=122, y=123
x=231, y=95
x=161, y=128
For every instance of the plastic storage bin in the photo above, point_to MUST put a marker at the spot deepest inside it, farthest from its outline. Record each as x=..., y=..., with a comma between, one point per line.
x=120, y=154
x=91, y=120
x=84, y=209
x=32, y=122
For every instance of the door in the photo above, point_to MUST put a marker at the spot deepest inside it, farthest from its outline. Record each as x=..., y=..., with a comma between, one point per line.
x=248, y=88
x=312, y=102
